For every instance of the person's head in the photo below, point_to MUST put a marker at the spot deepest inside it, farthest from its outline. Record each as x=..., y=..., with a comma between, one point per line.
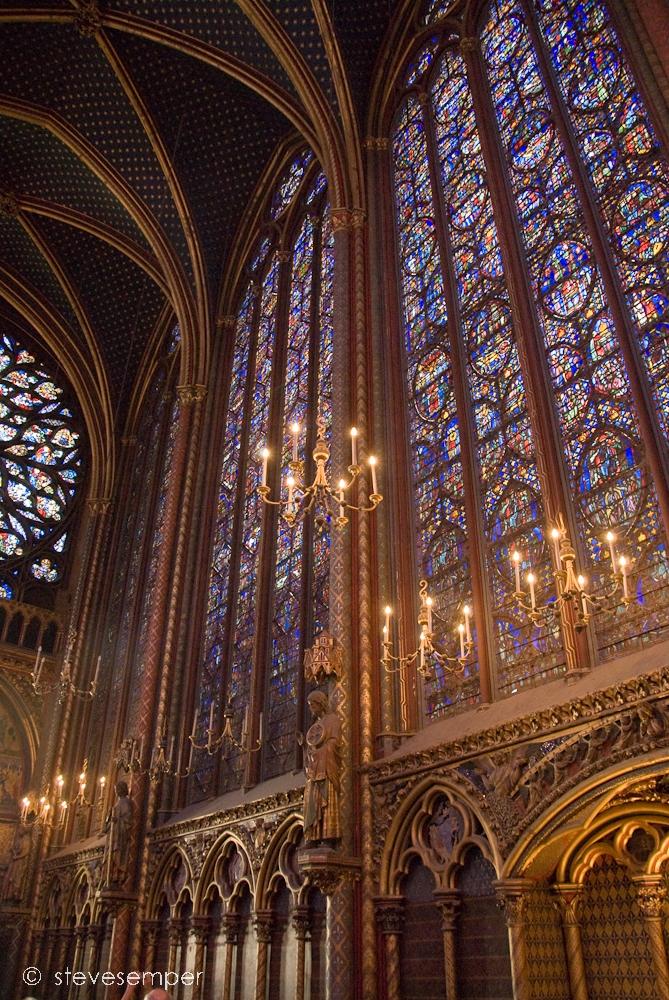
x=158, y=994
x=122, y=789
x=318, y=703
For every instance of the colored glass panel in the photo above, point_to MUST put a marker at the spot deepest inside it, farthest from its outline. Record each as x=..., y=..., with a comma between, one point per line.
x=219, y=598
x=320, y=586
x=40, y=458
x=241, y=664
x=626, y=166
x=604, y=457
x=290, y=183
x=511, y=506
x=287, y=626
x=433, y=422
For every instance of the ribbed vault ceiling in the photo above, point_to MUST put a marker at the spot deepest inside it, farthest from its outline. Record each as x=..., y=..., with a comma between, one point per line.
x=132, y=136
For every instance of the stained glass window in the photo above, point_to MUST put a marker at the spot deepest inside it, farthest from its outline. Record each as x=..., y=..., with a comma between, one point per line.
x=280, y=372
x=148, y=457
x=40, y=453
x=573, y=131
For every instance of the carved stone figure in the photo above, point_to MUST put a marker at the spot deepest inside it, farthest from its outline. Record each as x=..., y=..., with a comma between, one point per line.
x=117, y=847
x=322, y=820
x=15, y=876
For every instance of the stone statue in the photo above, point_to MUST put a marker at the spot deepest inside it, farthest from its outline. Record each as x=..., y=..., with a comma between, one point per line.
x=322, y=820
x=17, y=869
x=117, y=847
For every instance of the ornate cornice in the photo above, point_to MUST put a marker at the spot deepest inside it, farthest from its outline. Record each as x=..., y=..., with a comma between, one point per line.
x=216, y=822
x=570, y=715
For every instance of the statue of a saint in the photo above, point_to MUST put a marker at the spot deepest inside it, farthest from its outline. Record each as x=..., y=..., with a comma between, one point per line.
x=15, y=876
x=117, y=847
x=322, y=822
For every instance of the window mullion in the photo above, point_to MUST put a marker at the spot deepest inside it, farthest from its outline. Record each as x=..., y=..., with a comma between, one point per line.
x=472, y=500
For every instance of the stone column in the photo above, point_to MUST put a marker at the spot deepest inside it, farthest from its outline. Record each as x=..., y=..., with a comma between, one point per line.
x=93, y=963
x=200, y=928
x=80, y=944
x=263, y=924
x=448, y=902
x=150, y=709
x=340, y=922
x=174, y=938
x=47, y=962
x=231, y=932
x=302, y=927
x=150, y=931
x=121, y=916
x=63, y=936
x=568, y=897
x=651, y=895
x=512, y=898
x=389, y=912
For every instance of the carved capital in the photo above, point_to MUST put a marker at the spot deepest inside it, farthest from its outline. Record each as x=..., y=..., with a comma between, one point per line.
x=129, y=441
x=99, y=505
x=200, y=928
x=231, y=927
x=448, y=902
x=283, y=256
x=376, y=144
x=176, y=931
x=226, y=322
x=88, y=19
x=651, y=894
x=389, y=911
x=9, y=204
x=263, y=921
x=327, y=869
x=512, y=899
x=189, y=394
x=301, y=922
x=347, y=218
x=151, y=931
x=469, y=44
x=567, y=899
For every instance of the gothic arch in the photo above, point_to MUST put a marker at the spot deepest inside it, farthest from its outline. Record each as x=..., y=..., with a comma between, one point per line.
x=170, y=883
x=455, y=816
x=217, y=872
x=565, y=833
x=276, y=863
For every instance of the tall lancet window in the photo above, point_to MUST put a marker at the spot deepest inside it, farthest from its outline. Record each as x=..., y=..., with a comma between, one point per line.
x=531, y=207
x=268, y=592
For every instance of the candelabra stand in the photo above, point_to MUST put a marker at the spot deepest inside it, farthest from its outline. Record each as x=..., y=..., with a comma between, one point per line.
x=129, y=759
x=65, y=684
x=225, y=739
x=319, y=495
x=50, y=811
x=426, y=644
x=570, y=586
